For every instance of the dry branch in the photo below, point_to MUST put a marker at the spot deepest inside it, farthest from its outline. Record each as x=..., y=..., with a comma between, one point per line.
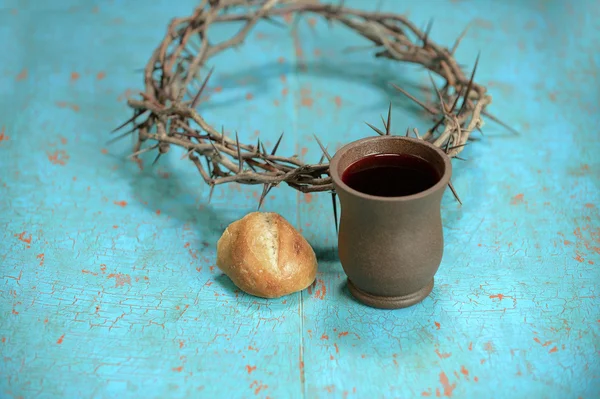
x=165, y=114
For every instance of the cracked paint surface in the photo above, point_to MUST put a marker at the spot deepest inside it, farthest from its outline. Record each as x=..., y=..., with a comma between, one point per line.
x=108, y=284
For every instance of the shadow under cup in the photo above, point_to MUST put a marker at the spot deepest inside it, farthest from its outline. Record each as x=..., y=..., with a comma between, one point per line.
x=390, y=240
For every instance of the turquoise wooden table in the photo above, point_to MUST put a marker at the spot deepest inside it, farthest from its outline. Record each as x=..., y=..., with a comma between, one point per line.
x=108, y=281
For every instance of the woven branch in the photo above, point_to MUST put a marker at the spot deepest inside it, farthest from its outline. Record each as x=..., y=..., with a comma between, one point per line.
x=165, y=114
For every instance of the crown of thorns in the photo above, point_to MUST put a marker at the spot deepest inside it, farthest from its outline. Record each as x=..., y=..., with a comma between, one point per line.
x=165, y=113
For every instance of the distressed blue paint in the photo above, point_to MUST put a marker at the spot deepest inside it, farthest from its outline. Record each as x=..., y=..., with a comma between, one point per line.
x=120, y=305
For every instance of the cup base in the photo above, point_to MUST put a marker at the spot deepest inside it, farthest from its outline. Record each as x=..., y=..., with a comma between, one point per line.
x=390, y=302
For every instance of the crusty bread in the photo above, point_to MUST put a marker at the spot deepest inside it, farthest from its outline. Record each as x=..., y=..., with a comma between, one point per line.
x=265, y=256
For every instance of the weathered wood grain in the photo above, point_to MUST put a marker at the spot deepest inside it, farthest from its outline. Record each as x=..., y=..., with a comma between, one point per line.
x=107, y=280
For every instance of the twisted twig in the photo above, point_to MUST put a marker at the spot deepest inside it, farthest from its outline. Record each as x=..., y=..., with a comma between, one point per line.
x=165, y=113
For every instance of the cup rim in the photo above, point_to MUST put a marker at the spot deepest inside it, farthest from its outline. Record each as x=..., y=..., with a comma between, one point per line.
x=337, y=180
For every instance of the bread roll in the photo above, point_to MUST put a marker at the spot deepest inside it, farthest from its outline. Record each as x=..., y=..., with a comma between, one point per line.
x=265, y=256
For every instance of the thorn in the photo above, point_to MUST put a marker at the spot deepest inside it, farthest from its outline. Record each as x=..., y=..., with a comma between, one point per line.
x=437, y=124
x=212, y=189
x=388, y=126
x=274, y=21
x=425, y=107
x=459, y=39
x=427, y=31
x=133, y=118
x=210, y=173
x=407, y=131
x=466, y=97
x=458, y=146
x=335, y=217
x=223, y=135
x=270, y=163
x=127, y=133
x=135, y=154
x=187, y=154
x=455, y=101
x=416, y=132
x=454, y=192
x=383, y=121
x=156, y=159
x=258, y=146
x=197, y=97
x=323, y=148
x=447, y=146
x=322, y=159
x=374, y=128
x=277, y=144
x=442, y=102
x=239, y=153
x=215, y=148
x=498, y=121
x=266, y=189
x=459, y=158
x=263, y=149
